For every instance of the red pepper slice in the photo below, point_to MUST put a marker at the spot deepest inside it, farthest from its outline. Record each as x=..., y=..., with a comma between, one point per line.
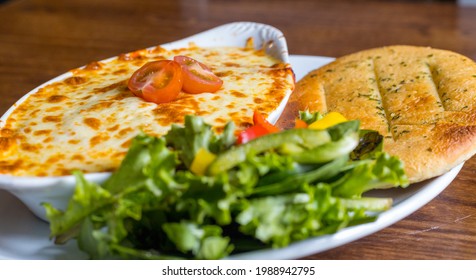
x=261, y=127
x=259, y=119
x=251, y=133
x=300, y=124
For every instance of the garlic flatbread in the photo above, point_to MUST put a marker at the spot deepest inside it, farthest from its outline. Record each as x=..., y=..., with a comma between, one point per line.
x=422, y=100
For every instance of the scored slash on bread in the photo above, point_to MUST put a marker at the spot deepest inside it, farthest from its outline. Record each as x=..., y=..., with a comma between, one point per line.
x=422, y=100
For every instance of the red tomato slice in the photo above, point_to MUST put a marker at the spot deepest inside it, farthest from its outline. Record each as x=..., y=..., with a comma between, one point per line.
x=259, y=119
x=157, y=81
x=251, y=133
x=197, y=77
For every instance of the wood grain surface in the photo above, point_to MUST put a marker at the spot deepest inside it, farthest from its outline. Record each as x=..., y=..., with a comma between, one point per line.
x=40, y=39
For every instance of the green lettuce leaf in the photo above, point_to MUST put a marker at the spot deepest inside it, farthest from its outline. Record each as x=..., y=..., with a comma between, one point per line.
x=88, y=197
x=281, y=188
x=204, y=242
x=196, y=134
x=310, y=117
x=361, y=176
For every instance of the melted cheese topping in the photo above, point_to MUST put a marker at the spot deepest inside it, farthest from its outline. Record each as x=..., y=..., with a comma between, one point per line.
x=86, y=121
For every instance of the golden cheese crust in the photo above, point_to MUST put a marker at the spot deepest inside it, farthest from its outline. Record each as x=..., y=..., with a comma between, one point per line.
x=86, y=121
x=422, y=100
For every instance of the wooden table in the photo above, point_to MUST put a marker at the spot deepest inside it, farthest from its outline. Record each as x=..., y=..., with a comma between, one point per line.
x=40, y=39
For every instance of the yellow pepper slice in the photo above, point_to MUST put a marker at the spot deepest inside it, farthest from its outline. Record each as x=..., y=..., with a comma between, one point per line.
x=331, y=119
x=202, y=160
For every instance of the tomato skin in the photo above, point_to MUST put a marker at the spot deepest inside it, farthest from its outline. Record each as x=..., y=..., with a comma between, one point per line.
x=197, y=77
x=157, y=81
x=251, y=133
x=259, y=119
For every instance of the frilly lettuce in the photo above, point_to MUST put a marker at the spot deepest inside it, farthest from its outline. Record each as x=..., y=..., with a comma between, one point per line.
x=285, y=187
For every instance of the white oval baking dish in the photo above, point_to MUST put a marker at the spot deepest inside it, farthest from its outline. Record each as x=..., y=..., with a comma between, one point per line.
x=33, y=191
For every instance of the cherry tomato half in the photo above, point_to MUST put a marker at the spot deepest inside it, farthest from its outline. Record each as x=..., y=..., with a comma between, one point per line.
x=157, y=81
x=197, y=77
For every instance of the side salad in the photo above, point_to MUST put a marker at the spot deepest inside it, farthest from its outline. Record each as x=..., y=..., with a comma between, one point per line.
x=197, y=194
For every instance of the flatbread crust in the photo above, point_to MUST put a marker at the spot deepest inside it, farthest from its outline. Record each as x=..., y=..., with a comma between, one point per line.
x=422, y=100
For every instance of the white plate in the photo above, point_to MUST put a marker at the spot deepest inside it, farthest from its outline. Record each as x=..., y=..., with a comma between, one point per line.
x=23, y=236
